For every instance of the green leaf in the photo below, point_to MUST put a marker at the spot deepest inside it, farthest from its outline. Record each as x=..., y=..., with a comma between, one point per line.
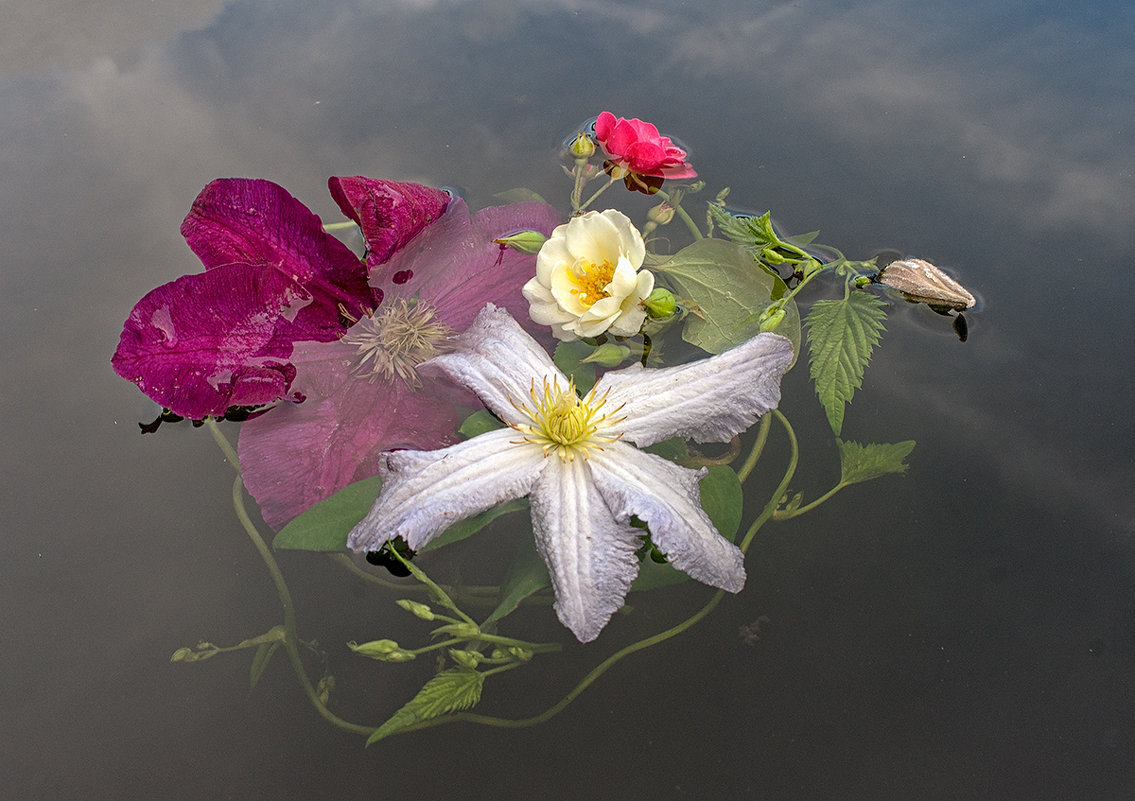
x=471, y=525
x=478, y=423
x=722, y=499
x=729, y=290
x=526, y=575
x=519, y=194
x=841, y=336
x=260, y=661
x=865, y=462
x=325, y=526
x=569, y=357
x=449, y=691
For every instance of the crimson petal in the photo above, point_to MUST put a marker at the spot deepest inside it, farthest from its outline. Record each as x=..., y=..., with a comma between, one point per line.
x=390, y=213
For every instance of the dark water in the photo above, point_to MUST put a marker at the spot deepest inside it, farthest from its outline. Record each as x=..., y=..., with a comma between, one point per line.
x=964, y=632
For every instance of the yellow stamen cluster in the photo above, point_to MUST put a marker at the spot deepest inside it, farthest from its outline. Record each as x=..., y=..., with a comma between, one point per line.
x=591, y=281
x=565, y=423
x=396, y=340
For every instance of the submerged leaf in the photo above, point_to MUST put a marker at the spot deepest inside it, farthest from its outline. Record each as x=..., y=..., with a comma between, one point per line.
x=449, y=691
x=260, y=661
x=864, y=462
x=526, y=575
x=729, y=290
x=841, y=336
x=324, y=527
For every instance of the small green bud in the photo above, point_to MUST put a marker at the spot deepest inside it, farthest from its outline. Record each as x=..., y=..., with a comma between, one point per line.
x=466, y=659
x=660, y=304
x=528, y=242
x=324, y=688
x=460, y=631
x=382, y=650
x=771, y=256
x=582, y=147
x=182, y=655
x=520, y=654
x=608, y=355
x=418, y=610
x=661, y=214
x=771, y=317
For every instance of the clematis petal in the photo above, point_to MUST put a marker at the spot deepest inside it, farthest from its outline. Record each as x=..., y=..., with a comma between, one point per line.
x=211, y=340
x=736, y=387
x=668, y=499
x=590, y=556
x=257, y=222
x=425, y=492
x=390, y=213
x=498, y=361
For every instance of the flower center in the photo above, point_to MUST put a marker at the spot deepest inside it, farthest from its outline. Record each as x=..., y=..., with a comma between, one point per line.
x=591, y=281
x=396, y=340
x=565, y=423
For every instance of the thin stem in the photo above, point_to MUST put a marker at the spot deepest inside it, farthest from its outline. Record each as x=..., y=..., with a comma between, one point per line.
x=787, y=515
x=598, y=192
x=291, y=637
x=757, y=449
x=778, y=493
x=339, y=226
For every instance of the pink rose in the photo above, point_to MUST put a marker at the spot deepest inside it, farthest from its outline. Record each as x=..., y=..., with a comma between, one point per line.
x=634, y=146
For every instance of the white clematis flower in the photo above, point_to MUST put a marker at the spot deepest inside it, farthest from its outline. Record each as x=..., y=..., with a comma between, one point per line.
x=575, y=459
x=588, y=279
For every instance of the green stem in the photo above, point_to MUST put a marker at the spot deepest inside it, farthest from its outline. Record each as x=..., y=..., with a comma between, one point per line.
x=683, y=214
x=757, y=449
x=778, y=493
x=291, y=637
x=598, y=192
x=788, y=515
x=339, y=226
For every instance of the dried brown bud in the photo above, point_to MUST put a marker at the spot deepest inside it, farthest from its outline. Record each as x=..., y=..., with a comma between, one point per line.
x=922, y=282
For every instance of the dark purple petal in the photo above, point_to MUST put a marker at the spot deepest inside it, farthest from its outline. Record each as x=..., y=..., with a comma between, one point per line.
x=456, y=266
x=390, y=213
x=212, y=340
x=257, y=222
x=299, y=454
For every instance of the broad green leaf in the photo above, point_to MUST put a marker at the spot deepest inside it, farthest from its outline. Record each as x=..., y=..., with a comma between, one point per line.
x=865, y=462
x=527, y=574
x=729, y=291
x=722, y=499
x=260, y=661
x=471, y=525
x=449, y=691
x=569, y=358
x=841, y=336
x=325, y=526
x=478, y=423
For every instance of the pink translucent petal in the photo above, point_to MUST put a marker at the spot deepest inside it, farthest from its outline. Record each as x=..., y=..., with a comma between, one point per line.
x=390, y=213
x=257, y=222
x=457, y=267
x=211, y=340
x=298, y=454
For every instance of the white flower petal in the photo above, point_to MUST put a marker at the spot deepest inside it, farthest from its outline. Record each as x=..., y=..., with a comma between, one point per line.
x=667, y=498
x=499, y=361
x=710, y=400
x=590, y=556
x=425, y=492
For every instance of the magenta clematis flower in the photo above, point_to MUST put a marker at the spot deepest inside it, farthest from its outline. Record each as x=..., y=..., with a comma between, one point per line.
x=638, y=154
x=364, y=394
x=273, y=277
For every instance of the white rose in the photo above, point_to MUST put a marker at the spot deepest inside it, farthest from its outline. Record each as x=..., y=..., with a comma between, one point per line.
x=588, y=279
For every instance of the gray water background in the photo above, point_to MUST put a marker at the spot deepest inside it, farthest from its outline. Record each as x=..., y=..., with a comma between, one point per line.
x=964, y=632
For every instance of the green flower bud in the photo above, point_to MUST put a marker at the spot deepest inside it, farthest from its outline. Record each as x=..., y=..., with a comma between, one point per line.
x=520, y=654
x=418, y=610
x=608, y=355
x=771, y=317
x=582, y=147
x=660, y=304
x=661, y=214
x=382, y=650
x=466, y=659
x=528, y=242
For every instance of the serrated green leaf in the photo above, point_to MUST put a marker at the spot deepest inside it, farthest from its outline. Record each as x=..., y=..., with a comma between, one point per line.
x=864, y=462
x=729, y=290
x=722, y=499
x=325, y=526
x=449, y=691
x=841, y=337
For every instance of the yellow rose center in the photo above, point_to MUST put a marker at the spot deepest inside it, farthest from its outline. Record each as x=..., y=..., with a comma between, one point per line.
x=565, y=423
x=591, y=281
